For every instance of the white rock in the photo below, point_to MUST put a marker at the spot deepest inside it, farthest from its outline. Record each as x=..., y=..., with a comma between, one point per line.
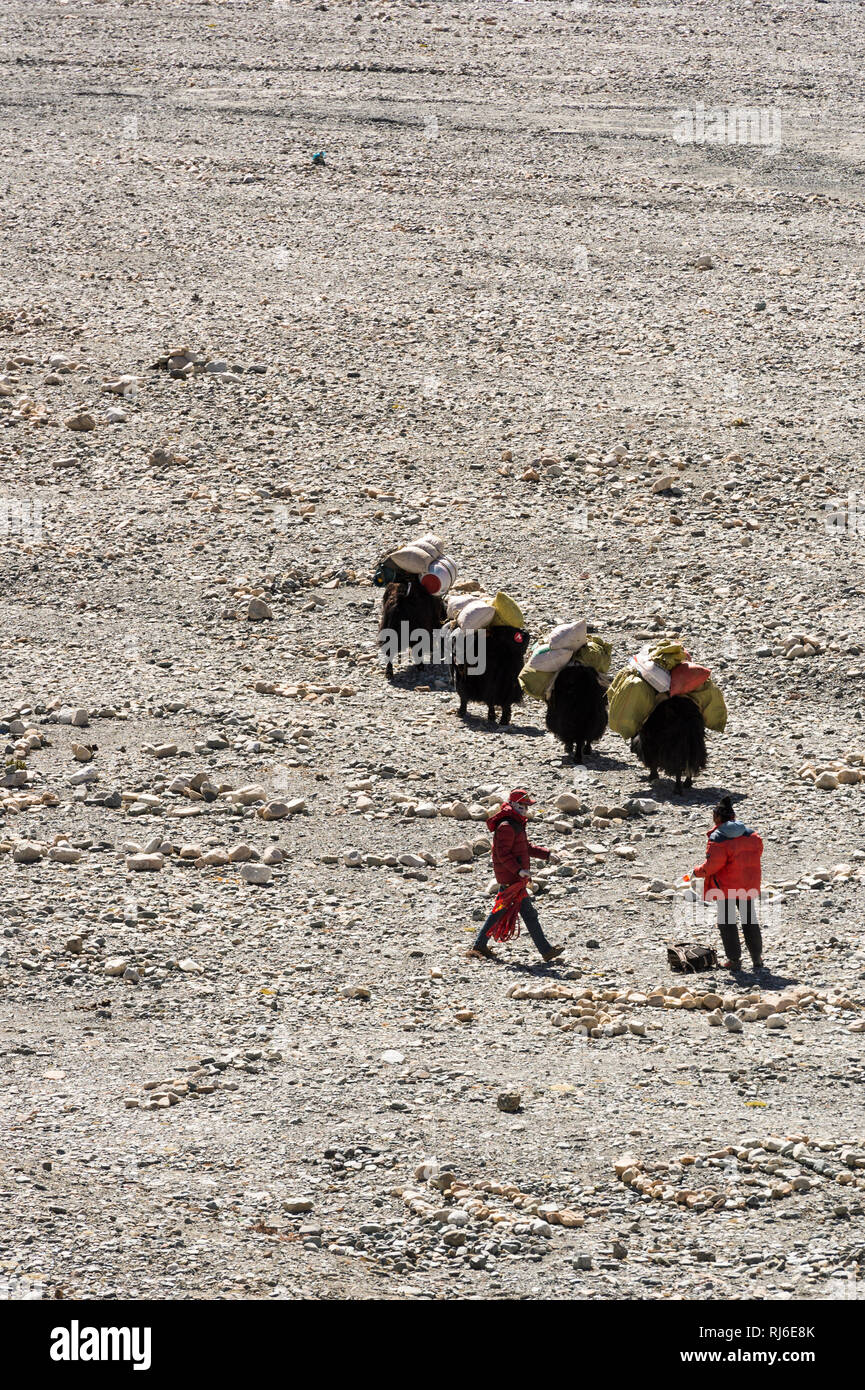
x=144, y=863
x=64, y=854
x=256, y=873
x=244, y=796
x=83, y=777
x=28, y=852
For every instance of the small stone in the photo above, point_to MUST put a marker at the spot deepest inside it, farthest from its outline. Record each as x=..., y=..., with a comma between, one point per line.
x=65, y=854
x=28, y=852
x=80, y=421
x=115, y=965
x=144, y=863
x=827, y=781
x=732, y=1023
x=509, y=1102
x=297, y=1205
x=256, y=873
x=257, y=611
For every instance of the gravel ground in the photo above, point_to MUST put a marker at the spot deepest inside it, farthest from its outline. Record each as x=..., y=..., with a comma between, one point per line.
x=528, y=300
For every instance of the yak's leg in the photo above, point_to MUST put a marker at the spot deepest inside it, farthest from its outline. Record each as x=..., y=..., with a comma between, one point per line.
x=678, y=784
x=689, y=782
x=506, y=716
x=388, y=670
x=569, y=751
x=491, y=714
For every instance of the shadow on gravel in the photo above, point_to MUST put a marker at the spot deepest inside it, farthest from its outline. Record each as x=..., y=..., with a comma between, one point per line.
x=408, y=677
x=694, y=796
x=599, y=762
x=481, y=723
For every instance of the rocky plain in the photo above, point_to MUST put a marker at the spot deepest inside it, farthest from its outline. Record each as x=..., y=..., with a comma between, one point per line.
x=578, y=287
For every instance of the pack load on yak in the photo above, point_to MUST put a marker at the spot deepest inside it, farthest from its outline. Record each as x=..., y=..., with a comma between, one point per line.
x=471, y=612
x=568, y=644
x=423, y=561
x=654, y=674
x=663, y=703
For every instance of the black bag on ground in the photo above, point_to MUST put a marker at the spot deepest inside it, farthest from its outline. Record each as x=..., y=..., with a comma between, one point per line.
x=687, y=957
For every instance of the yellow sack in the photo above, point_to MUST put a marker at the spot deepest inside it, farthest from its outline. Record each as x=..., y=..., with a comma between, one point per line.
x=668, y=654
x=596, y=653
x=631, y=701
x=508, y=613
x=535, y=683
x=711, y=705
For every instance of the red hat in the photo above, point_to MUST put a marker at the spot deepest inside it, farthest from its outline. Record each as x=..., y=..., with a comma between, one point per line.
x=521, y=798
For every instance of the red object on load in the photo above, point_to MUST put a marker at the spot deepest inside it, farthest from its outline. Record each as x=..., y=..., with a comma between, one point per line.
x=687, y=677
x=509, y=897
x=431, y=583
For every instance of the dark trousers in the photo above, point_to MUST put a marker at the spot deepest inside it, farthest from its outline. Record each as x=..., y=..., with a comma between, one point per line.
x=728, y=926
x=529, y=914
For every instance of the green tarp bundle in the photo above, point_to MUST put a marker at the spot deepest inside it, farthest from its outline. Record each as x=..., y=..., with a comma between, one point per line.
x=668, y=654
x=711, y=704
x=595, y=652
x=631, y=701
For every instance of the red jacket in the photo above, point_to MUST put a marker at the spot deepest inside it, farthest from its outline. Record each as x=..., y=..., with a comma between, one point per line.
x=511, y=848
x=732, y=863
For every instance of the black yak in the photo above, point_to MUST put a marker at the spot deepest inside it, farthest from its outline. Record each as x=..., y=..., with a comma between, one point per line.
x=577, y=709
x=494, y=680
x=673, y=740
x=407, y=610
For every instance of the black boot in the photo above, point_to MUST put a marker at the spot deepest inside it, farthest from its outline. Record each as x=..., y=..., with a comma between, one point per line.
x=732, y=945
x=754, y=942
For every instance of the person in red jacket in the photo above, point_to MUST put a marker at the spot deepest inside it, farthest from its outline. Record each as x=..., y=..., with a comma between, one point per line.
x=731, y=874
x=511, y=855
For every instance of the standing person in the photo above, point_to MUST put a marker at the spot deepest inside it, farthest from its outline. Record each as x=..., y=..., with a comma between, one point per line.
x=731, y=871
x=511, y=854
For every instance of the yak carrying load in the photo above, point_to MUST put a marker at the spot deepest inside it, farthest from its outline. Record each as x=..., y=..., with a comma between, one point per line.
x=662, y=704
x=415, y=579
x=494, y=626
x=569, y=672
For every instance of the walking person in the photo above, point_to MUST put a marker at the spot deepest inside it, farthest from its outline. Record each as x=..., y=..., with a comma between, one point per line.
x=731, y=874
x=511, y=855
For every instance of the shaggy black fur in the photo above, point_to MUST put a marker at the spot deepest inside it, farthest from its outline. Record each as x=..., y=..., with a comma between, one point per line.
x=505, y=649
x=409, y=602
x=673, y=740
x=577, y=709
